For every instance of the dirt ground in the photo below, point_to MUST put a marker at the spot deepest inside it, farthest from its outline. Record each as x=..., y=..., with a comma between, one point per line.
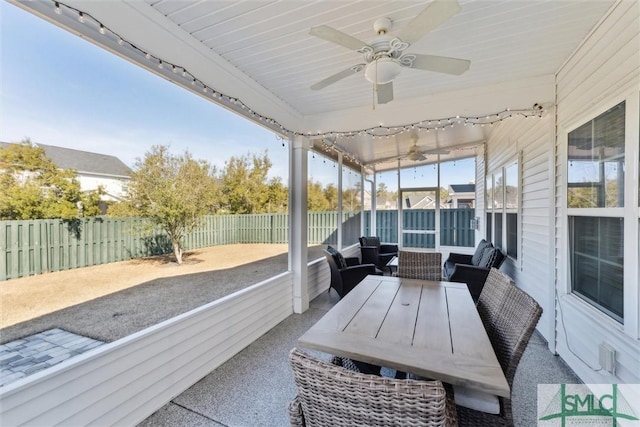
x=110, y=301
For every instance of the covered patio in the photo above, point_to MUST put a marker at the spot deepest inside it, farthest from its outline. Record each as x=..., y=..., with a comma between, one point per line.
x=548, y=110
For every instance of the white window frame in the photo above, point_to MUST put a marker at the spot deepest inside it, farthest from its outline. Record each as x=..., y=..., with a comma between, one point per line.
x=490, y=209
x=630, y=213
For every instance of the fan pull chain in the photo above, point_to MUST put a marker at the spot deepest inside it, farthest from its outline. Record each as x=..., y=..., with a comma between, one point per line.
x=375, y=88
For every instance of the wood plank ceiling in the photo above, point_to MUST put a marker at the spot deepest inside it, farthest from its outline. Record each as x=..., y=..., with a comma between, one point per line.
x=260, y=51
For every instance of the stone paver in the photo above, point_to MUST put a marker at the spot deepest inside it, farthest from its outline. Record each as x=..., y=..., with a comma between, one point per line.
x=34, y=353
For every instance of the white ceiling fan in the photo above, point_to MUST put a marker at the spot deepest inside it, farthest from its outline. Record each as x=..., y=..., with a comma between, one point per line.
x=416, y=155
x=385, y=55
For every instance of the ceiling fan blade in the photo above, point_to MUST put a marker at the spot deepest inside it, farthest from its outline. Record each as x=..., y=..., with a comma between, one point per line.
x=442, y=151
x=440, y=64
x=331, y=34
x=435, y=14
x=337, y=77
x=385, y=93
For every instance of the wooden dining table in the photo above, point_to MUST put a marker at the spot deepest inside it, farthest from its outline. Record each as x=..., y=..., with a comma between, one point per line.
x=428, y=328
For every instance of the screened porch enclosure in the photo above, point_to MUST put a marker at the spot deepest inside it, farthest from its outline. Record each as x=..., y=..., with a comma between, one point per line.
x=529, y=112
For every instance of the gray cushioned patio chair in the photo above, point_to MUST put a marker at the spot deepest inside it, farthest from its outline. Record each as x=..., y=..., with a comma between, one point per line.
x=473, y=269
x=330, y=395
x=509, y=315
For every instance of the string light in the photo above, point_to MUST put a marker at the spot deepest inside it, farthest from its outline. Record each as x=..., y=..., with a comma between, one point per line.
x=376, y=132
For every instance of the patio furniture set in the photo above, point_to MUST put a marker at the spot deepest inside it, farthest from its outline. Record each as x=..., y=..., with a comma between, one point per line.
x=458, y=353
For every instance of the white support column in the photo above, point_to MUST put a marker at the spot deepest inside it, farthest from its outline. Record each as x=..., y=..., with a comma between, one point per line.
x=340, y=231
x=374, y=202
x=298, y=154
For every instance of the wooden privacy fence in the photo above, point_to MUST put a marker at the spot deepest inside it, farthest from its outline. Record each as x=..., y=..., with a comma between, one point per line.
x=38, y=246
x=455, y=226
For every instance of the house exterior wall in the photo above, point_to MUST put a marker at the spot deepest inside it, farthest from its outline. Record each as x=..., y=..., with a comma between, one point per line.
x=114, y=187
x=604, y=71
x=530, y=142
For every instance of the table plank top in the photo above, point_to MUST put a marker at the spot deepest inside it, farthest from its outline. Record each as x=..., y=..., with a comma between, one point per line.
x=431, y=329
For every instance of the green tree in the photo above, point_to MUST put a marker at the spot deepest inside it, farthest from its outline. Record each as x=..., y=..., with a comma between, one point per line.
x=245, y=187
x=331, y=194
x=444, y=195
x=278, y=196
x=174, y=192
x=33, y=187
x=316, y=201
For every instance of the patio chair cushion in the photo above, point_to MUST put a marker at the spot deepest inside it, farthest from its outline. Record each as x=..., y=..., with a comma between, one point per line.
x=370, y=241
x=492, y=257
x=476, y=400
x=337, y=256
x=478, y=254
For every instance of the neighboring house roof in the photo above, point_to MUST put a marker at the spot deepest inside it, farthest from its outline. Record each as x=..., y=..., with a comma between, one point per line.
x=463, y=188
x=84, y=161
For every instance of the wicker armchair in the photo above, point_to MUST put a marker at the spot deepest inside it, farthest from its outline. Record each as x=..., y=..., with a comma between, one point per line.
x=509, y=315
x=420, y=265
x=330, y=395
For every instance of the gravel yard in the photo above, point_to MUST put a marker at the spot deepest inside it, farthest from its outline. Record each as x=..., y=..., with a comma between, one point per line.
x=110, y=301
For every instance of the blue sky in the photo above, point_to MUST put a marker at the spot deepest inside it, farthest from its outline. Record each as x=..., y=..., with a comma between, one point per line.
x=58, y=89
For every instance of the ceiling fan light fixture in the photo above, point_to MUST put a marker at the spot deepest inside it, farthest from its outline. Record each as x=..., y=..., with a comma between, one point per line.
x=382, y=70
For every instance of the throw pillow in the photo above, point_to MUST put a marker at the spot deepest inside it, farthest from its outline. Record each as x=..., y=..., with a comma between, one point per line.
x=489, y=258
x=337, y=256
x=477, y=255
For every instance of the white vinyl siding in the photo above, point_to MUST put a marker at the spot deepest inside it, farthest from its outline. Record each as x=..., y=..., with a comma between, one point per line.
x=604, y=71
x=123, y=382
x=530, y=142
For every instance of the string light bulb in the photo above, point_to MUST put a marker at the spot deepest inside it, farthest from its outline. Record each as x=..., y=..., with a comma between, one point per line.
x=102, y=30
x=58, y=10
x=81, y=17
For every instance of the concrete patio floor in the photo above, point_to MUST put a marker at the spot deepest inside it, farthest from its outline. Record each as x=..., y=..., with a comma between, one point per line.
x=255, y=387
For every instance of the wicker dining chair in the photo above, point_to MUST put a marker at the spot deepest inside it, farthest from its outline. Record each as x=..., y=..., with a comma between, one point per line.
x=509, y=316
x=330, y=395
x=420, y=265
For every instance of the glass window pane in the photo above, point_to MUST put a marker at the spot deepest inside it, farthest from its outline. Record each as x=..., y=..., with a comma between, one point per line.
x=387, y=207
x=489, y=183
x=351, y=185
x=511, y=207
x=512, y=235
x=498, y=191
x=457, y=202
x=322, y=202
x=489, y=235
x=597, y=262
x=511, y=187
x=596, y=161
x=497, y=242
x=419, y=176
